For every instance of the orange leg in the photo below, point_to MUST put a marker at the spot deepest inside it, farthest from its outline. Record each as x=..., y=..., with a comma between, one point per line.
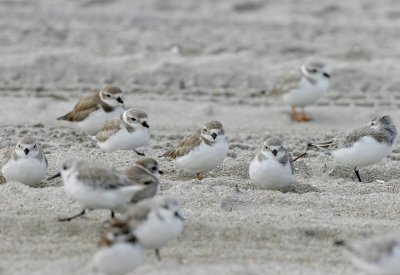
x=304, y=118
x=295, y=114
x=198, y=177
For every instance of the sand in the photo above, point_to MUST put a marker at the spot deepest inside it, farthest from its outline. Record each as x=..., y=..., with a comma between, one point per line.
x=187, y=62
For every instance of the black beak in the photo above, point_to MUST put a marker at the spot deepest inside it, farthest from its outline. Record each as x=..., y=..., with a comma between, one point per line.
x=144, y=123
x=160, y=172
x=119, y=99
x=54, y=176
x=179, y=216
x=274, y=152
x=214, y=135
x=327, y=75
x=26, y=150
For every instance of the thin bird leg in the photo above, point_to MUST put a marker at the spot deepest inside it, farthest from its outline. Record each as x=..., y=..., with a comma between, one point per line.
x=158, y=254
x=295, y=114
x=358, y=175
x=198, y=177
x=112, y=214
x=139, y=153
x=73, y=217
x=304, y=118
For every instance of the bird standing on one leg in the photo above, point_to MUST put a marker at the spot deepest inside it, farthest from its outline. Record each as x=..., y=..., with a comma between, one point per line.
x=362, y=146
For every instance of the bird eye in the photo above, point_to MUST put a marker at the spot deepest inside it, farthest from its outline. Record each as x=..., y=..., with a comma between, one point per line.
x=154, y=168
x=133, y=119
x=65, y=167
x=108, y=96
x=147, y=182
x=314, y=71
x=34, y=146
x=266, y=147
x=205, y=130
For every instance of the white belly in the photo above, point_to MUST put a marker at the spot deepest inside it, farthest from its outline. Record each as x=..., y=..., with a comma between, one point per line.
x=118, y=259
x=204, y=157
x=26, y=170
x=301, y=97
x=270, y=174
x=365, y=152
x=123, y=140
x=306, y=93
x=98, y=198
x=156, y=233
x=95, y=121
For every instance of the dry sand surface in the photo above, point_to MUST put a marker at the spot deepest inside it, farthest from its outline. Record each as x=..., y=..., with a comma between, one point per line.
x=187, y=62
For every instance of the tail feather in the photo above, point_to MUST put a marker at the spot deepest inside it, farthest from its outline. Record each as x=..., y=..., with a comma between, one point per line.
x=276, y=90
x=64, y=117
x=118, y=223
x=322, y=145
x=168, y=154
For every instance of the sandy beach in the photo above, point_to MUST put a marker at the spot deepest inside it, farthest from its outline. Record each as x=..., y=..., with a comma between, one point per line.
x=185, y=63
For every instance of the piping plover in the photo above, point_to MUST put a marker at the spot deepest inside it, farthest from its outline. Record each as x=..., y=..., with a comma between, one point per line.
x=155, y=222
x=26, y=163
x=304, y=88
x=128, y=132
x=202, y=151
x=118, y=256
x=95, y=186
x=272, y=166
x=92, y=111
x=378, y=255
x=363, y=146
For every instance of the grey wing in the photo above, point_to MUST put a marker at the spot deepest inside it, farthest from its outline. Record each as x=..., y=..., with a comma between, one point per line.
x=42, y=156
x=138, y=175
x=139, y=213
x=328, y=144
x=107, y=178
x=285, y=84
x=184, y=146
x=8, y=154
x=83, y=108
x=291, y=162
x=148, y=192
x=111, y=127
x=344, y=140
x=287, y=159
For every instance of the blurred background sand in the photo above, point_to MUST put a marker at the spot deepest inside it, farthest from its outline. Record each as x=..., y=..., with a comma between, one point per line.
x=186, y=62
